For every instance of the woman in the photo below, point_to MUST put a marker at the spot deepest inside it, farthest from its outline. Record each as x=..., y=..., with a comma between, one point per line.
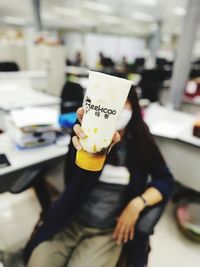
x=98, y=211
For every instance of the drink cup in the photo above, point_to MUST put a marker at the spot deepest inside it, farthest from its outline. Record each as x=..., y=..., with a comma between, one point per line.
x=104, y=100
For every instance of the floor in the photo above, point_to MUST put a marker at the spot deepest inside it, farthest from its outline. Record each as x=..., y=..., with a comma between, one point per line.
x=19, y=213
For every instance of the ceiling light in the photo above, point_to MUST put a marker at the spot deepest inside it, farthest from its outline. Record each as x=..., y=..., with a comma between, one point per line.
x=87, y=22
x=111, y=19
x=14, y=20
x=147, y=2
x=143, y=16
x=49, y=16
x=97, y=6
x=66, y=11
x=180, y=11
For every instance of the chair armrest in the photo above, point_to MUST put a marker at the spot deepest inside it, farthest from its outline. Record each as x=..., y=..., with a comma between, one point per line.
x=149, y=218
x=25, y=181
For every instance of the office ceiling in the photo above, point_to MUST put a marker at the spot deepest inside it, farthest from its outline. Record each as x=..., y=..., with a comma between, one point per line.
x=129, y=17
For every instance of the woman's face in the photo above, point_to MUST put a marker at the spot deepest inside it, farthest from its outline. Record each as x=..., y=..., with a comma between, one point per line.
x=124, y=117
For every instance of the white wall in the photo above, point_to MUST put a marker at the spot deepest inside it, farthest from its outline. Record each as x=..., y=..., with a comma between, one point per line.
x=14, y=52
x=112, y=46
x=73, y=43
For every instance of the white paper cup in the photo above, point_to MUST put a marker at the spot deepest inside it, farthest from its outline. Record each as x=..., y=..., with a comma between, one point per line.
x=104, y=100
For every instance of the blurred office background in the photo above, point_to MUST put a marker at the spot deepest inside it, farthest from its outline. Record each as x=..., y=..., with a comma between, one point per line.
x=46, y=49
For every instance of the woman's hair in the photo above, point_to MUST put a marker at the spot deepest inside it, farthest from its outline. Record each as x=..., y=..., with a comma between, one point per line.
x=142, y=148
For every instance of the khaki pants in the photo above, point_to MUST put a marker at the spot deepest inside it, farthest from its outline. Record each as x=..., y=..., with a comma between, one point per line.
x=77, y=246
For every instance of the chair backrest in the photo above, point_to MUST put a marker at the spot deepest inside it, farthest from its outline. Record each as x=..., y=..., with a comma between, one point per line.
x=71, y=97
x=139, y=61
x=9, y=66
x=194, y=73
x=151, y=83
x=107, y=62
x=138, y=65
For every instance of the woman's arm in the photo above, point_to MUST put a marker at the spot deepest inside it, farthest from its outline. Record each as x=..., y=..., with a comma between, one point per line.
x=124, y=229
x=159, y=190
x=152, y=196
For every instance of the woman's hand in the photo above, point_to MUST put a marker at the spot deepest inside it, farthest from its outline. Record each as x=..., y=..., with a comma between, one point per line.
x=124, y=229
x=80, y=134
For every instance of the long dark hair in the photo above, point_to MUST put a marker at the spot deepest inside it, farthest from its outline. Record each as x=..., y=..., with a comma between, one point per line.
x=142, y=149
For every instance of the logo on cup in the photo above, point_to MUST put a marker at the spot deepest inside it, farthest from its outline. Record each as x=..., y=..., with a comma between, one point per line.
x=98, y=109
x=87, y=104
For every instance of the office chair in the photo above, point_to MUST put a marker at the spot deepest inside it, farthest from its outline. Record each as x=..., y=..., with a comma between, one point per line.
x=9, y=66
x=195, y=73
x=151, y=83
x=196, y=64
x=165, y=67
x=71, y=97
x=144, y=228
x=138, y=65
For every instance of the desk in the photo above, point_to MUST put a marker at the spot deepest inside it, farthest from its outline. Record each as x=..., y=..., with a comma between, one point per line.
x=172, y=124
x=23, y=74
x=23, y=159
x=15, y=97
x=37, y=79
x=180, y=149
x=191, y=106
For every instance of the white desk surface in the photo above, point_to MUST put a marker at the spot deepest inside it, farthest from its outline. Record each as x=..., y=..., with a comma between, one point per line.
x=195, y=101
x=23, y=74
x=20, y=159
x=182, y=159
x=171, y=124
x=16, y=97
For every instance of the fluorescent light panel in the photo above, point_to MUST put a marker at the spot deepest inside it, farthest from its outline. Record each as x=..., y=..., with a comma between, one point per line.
x=111, y=19
x=180, y=11
x=14, y=20
x=143, y=16
x=97, y=6
x=49, y=16
x=72, y=12
x=87, y=22
x=151, y=3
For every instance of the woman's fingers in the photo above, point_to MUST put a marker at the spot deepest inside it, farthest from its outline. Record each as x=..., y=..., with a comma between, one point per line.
x=76, y=143
x=119, y=233
x=131, y=233
x=78, y=131
x=126, y=234
x=79, y=134
x=79, y=113
x=117, y=228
